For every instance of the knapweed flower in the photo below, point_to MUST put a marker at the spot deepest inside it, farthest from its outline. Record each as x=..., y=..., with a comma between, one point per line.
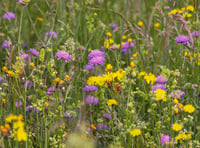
x=115, y=27
x=195, y=34
x=34, y=52
x=95, y=53
x=184, y=40
x=177, y=94
x=164, y=139
x=189, y=108
x=103, y=127
x=6, y=44
x=135, y=132
x=52, y=33
x=50, y=90
x=160, y=94
x=25, y=56
x=160, y=79
x=18, y=104
x=150, y=78
x=63, y=55
x=9, y=16
x=107, y=115
x=91, y=100
x=90, y=88
x=176, y=127
x=158, y=86
x=111, y=102
x=126, y=46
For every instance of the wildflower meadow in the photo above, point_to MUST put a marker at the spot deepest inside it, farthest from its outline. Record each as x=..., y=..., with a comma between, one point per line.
x=99, y=74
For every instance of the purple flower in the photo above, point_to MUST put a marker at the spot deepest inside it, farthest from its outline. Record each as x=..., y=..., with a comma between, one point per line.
x=63, y=55
x=9, y=16
x=90, y=88
x=158, y=86
x=184, y=40
x=19, y=1
x=4, y=77
x=164, y=138
x=34, y=52
x=160, y=79
x=195, y=33
x=102, y=48
x=0, y=79
x=89, y=67
x=18, y=104
x=91, y=100
x=25, y=45
x=177, y=94
x=25, y=56
x=95, y=53
x=6, y=44
x=29, y=108
x=36, y=110
x=97, y=60
x=67, y=115
x=50, y=90
x=52, y=33
x=103, y=127
x=107, y=116
x=126, y=46
x=114, y=27
x=28, y=84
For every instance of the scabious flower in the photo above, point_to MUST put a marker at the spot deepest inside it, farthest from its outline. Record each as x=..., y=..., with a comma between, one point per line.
x=164, y=139
x=176, y=127
x=97, y=61
x=88, y=88
x=50, y=90
x=107, y=115
x=95, y=53
x=177, y=94
x=63, y=55
x=25, y=56
x=135, y=132
x=111, y=102
x=184, y=40
x=18, y=104
x=9, y=16
x=6, y=44
x=103, y=127
x=91, y=100
x=189, y=108
x=126, y=46
x=160, y=79
x=34, y=52
x=158, y=86
x=52, y=33
x=195, y=34
x=89, y=67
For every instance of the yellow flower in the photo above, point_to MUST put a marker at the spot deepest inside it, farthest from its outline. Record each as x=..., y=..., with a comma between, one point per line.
x=189, y=108
x=46, y=104
x=183, y=9
x=11, y=118
x=20, y=135
x=135, y=132
x=3, y=101
x=93, y=127
x=140, y=23
x=142, y=74
x=5, y=69
x=108, y=67
x=108, y=43
x=176, y=101
x=180, y=105
x=129, y=40
x=132, y=64
x=190, y=8
x=174, y=11
x=18, y=124
x=157, y=25
x=32, y=64
x=184, y=15
x=151, y=78
x=189, y=15
x=67, y=77
x=183, y=136
x=123, y=37
x=111, y=102
x=62, y=82
x=40, y=19
x=135, y=54
x=10, y=73
x=177, y=127
x=109, y=34
x=160, y=95
x=57, y=80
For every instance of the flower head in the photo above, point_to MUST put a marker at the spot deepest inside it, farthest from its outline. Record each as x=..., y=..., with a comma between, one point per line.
x=9, y=16
x=111, y=102
x=176, y=127
x=164, y=139
x=160, y=79
x=91, y=100
x=160, y=94
x=95, y=53
x=158, y=86
x=6, y=44
x=103, y=127
x=135, y=132
x=189, y=108
x=63, y=55
x=115, y=27
x=90, y=88
x=195, y=34
x=184, y=40
x=99, y=60
x=52, y=33
x=126, y=46
x=34, y=52
x=107, y=116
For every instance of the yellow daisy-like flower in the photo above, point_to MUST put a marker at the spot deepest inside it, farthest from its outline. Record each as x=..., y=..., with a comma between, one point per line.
x=123, y=37
x=67, y=77
x=150, y=79
x=108, y=43
x=108, y=67
x=135, y=132
x=177, y=127
x=176, y=101
x=189, y=108
x=5, y=69
x=11, y=118
x=160, y=94
x=132, y=64
x=40, y=19
x=57, y=80
x=20, y=135
x=109, y=34
x=140, y=23
x=157, y=25
x=142, y=74
x=111, y=102
x=190, y=8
